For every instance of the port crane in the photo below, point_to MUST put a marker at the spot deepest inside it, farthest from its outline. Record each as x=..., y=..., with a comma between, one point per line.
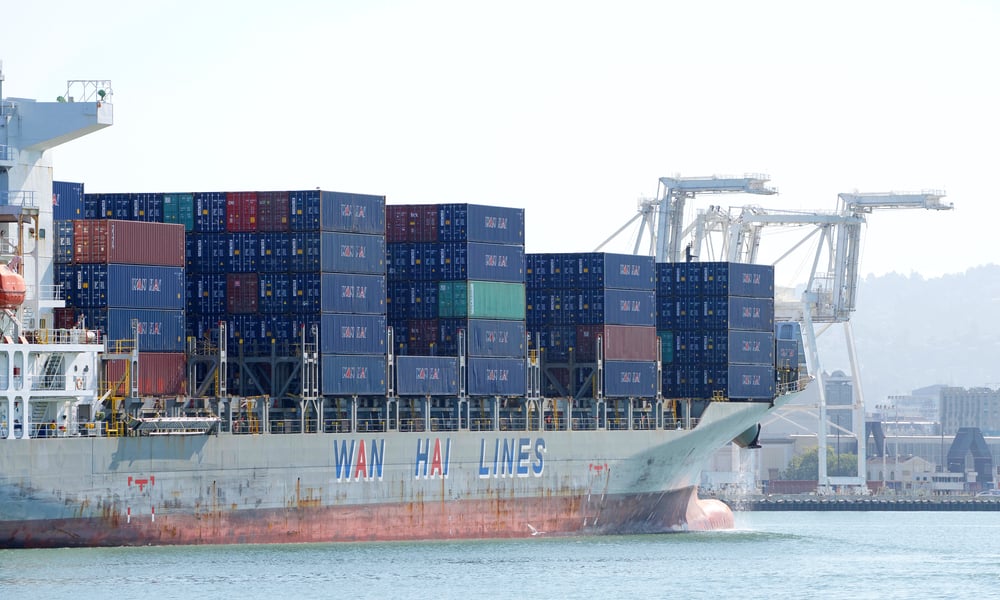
x=830, y=293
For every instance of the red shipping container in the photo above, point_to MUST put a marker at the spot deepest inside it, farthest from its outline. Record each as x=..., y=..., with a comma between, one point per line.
x=272, y=211
x=411, y=223
x=621, y=342
x=396, y=217
x=422, y=336
x=108, y=241
x=241, y=212
x=64, y=317
x=160, y=374
x=241, y=293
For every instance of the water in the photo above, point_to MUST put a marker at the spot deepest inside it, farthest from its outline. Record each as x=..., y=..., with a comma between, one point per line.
x=769, y=554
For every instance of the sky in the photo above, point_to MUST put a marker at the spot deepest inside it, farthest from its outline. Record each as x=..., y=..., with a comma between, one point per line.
x=570, y=110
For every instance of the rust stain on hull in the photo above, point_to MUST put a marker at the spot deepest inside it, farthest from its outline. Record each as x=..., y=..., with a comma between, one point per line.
x=498, y=517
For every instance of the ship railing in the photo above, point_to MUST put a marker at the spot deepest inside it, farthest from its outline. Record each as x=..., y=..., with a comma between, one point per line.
x=444, y=424
x=47, y=382
x=794, y=386
x=482, y=424
x=584, y=423
x=23, y=198
x=410, y=424
x=337, y=425
x=643, y=422
x=65, y=336
x=366, y=425
x=513, y=424
x=45, y=292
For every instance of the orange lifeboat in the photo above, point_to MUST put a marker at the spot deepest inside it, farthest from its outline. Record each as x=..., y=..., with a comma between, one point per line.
x=12, y=288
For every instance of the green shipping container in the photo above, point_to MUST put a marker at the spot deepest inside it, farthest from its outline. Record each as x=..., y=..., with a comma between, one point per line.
x=666, y=346
x=179, y=208
x=481, y=300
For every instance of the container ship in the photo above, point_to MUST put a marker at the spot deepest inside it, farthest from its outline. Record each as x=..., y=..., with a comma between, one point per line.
x=313, y=366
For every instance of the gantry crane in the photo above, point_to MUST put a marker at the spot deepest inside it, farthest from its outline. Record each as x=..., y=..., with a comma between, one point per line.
x=830, y=294
x=663, y=217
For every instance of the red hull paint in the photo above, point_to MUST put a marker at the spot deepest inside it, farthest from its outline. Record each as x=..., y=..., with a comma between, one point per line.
x=301, y=522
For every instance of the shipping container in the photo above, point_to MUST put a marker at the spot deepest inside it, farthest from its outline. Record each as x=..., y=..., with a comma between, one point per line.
x=210, y=212
x=146, y=207
x=354, y=374
x=737, y=279
x=352, y=253
x=556, y=342
x=483, y=262
x=207, y=252
x=305, y=251
x=242, y=254
x=738, y=347
x=496, y=337
x=158, y=330
x=666, y=341
x=787, y=354
x=128, y=242
x=64, y=246
x=481, y=300
x=412, y=300
x=179, y=208
x=427, y=376
x=422, y=337
x=67, y=200
x=307, y=294
x=274, y=293
x=479, y=223
x=664, y=286
x=352, y=334
x=352, y=213
x=130, y=286
x=595, y=270
x=620, y=342
x=241, y=212
x=208, y=293
x=353, y=293
x=678, y=314
x=753, y=382
x=737, y=312
x=414, y=261
x=303, y=210
x=490, y=376
x=242, y=290
x=64, y=276
x=160, y=374
x=629, y=379
x=272, y=212
x=411, y=223
x=65, y=317
x=274, y=253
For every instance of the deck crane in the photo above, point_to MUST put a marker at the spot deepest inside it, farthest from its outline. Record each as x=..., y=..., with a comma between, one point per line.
x=663, y=217
x=830, y=295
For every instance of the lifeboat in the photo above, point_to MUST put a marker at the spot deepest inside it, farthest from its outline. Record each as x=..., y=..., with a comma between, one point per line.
x=12, y=288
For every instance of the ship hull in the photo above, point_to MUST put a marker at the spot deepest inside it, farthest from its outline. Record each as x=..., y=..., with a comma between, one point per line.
x=274, y=488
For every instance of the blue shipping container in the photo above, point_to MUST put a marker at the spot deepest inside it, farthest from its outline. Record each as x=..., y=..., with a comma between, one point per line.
x=210, y=212
x=488, y=337
x=352, y=334
x=480, y=223
x=628, y=307
x=64, y=242
x=207, y=293
x=787, y=354
x=141, y=286
x=353, y=293
x=352, y=253
x=737, y=279
x=242, y=252
x=488, y=262
x=159, y=330
x=629, y=379
x=754, y=382
x=64, y=276
x=427, y=376
x=357, y=374
x=737, y=312
x=206, y=253
x=305, y=251
x=496, y=376
x=352, y=213
x=67, y=200
x=274, y=293
x=274, y=253
x=306, y=294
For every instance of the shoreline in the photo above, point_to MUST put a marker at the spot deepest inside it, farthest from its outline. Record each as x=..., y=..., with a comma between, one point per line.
x=793, y=502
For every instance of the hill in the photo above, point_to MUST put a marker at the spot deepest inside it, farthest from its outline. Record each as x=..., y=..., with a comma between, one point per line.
x=913, y=332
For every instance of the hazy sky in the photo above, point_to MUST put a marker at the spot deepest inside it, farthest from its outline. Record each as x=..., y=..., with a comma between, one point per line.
x=571, y=110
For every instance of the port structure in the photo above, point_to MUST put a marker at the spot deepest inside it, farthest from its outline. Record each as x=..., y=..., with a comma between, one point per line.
x=663, y=217
x=829, y=296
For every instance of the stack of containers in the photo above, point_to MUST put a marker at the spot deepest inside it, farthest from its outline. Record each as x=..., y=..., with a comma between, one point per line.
x=67, y=200
x=352, y=287
x=125, y=271
x=458, y=268
x=716, y=325
x=576, y=298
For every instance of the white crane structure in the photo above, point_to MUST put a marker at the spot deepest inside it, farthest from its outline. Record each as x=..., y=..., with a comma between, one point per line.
x=828, y=297
x=663, y=217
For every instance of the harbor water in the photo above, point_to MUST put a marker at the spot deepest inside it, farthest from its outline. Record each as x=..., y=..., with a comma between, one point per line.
x=768, y=555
